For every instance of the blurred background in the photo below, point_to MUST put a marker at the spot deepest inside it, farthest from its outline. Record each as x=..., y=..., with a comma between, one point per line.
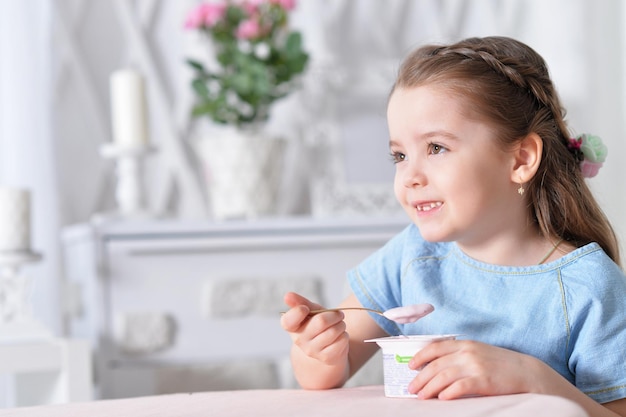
x=164, y=294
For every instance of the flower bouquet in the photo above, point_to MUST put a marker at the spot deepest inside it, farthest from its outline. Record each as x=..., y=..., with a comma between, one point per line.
x=257, y=56
x=257, y=59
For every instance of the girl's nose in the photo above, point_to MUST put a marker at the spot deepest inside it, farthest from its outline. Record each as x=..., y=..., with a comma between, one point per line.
x=412, y=175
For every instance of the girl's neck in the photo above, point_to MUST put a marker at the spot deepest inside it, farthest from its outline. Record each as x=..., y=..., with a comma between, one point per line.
x=515, y=251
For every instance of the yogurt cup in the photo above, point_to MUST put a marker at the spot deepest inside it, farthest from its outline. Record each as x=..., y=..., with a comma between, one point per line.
x=397, y=352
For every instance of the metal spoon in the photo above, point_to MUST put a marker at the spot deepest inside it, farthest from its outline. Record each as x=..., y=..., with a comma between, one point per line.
x=402, y=315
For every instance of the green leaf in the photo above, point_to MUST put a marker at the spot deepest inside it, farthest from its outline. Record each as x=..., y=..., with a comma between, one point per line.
x=242, y=83
x=234, y=15
x=199, y=86
x=293, y=46
x=197, y=65
x=227, y=57
x=202, y=109
x=298, y=63
x=262, y=85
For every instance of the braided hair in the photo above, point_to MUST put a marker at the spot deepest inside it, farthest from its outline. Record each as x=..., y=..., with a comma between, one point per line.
x=507, y=84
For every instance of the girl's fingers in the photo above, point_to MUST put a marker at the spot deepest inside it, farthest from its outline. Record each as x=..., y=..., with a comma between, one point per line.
x=322, y=336
x=298, y=313
x=329, y=344
x=433, y=351
x=320, y=324
x=293, y=299
x=335, y=351
x=293, y=319
x=453, y=369
x=435, y=378
x=440, y=367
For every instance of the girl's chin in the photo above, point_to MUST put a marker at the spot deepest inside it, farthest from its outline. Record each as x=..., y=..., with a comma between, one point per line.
x=434, y=237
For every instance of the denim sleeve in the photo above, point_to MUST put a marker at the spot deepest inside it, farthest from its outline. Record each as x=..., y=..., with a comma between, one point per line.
x=597, y=303
x=376, y=281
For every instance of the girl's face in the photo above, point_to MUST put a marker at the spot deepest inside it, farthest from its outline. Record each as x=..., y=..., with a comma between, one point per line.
x=452, y=178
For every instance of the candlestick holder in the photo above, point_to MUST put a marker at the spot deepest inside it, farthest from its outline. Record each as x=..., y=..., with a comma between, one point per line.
x=17, y=322
x=130, y=190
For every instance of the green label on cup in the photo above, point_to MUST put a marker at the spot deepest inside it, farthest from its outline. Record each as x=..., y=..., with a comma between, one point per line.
x=403, y=359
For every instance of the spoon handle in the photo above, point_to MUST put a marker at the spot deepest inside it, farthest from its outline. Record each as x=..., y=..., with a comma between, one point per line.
x=313, y=312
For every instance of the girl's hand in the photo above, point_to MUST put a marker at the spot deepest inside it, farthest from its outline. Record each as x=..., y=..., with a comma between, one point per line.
x=322, y=337
x=457, y=368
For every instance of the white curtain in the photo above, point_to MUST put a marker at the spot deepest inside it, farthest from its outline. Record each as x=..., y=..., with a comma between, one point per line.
x=26, y=142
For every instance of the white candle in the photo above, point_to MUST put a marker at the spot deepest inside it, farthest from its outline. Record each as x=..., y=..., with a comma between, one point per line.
x=128, y=109
x=14, y=219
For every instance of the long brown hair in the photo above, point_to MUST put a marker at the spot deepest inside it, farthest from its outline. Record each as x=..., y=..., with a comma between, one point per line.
x=508, y=84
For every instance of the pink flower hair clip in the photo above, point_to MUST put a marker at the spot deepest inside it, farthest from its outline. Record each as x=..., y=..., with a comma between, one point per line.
x=590, y=151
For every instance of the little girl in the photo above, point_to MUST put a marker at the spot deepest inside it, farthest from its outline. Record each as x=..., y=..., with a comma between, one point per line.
x=507, y=242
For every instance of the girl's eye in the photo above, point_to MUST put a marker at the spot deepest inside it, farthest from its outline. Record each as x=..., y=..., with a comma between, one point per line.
x=435, y=149
x=397, y=157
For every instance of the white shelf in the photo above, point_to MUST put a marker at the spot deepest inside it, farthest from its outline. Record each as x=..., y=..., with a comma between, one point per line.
x=18, y=257
x=48, y=372
x=30, y=357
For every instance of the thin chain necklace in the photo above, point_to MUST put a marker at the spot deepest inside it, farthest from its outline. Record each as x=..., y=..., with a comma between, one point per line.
x=550, y=252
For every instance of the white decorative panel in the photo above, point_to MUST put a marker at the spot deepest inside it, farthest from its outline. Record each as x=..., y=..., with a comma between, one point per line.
x=144, y=332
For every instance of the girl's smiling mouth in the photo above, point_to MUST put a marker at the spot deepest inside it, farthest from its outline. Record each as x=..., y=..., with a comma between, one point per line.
x=427, y=206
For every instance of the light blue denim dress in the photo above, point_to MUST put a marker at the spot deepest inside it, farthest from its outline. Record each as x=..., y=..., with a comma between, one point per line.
x=570, y=313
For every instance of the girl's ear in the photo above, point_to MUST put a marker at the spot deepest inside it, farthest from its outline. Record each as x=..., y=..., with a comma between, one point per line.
x=527, y=158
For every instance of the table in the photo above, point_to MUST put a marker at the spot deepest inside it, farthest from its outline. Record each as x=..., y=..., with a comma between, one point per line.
x=359, y=401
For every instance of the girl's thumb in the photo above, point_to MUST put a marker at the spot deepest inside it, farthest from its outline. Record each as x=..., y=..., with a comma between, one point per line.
x=293, y=299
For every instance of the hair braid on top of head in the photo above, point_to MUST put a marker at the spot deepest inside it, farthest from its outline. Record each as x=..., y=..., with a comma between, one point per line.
x=532, y=77
x=508, y=85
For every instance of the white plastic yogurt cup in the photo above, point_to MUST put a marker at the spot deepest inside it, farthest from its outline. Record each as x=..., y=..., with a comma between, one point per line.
x=397, y=352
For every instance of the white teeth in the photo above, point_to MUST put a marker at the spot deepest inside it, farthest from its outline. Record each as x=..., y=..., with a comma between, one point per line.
x=428, y=207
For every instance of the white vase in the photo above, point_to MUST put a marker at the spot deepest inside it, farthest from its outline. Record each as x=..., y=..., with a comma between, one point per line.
x=242, y=169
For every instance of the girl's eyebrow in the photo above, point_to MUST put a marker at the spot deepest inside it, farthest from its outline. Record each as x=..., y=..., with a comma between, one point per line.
x=431, y=134
x=443, y=133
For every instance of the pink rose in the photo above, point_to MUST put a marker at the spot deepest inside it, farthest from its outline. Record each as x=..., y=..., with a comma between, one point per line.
x=195, y=18
x=590, y=169
x=214, y=12
x=252, y=6
x=206, y=14
x=248, y=29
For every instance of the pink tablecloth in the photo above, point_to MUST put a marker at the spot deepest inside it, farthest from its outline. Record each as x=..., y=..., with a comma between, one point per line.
x=361, y=402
